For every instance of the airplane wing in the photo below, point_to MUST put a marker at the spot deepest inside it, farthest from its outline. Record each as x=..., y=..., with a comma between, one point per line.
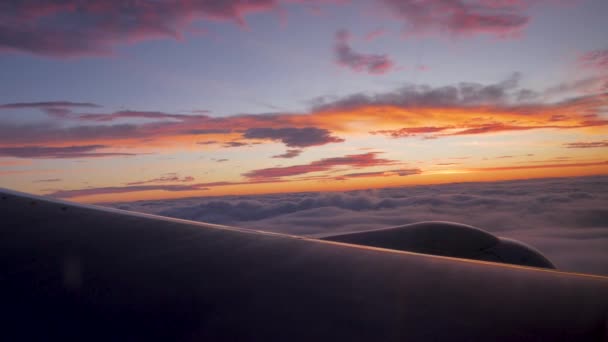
x=80, y=272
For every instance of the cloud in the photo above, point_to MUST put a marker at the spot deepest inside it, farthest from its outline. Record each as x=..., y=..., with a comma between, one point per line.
x=122, y=189
x=347, y=57
x=385, y=173
x=289, y=154
x=587, y=144
x=49, y=104
x=235, y=144
x=566, y=219
x=462, y=94
x=88, y=151
x=132, y=114
x=294, y=137
x=586, y=85
x=353, y=160
x=375, y=34
x=542, y=166
x=207, y=142
x=167, y=178
x=70, y=28
x=207, y=131
x=144, y=186
x=460, y=17
x=410, y=131
x=50, y=180
x=412, y=110
x=596, y=59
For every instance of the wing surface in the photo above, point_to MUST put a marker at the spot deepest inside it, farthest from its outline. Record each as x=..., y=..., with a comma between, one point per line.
x=77, y=272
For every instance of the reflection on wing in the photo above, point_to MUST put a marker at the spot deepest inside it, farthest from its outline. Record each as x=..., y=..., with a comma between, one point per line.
x=75, y=272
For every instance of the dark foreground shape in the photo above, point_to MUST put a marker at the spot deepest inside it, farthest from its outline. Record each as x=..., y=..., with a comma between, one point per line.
x=449, y=239
x=71, y=272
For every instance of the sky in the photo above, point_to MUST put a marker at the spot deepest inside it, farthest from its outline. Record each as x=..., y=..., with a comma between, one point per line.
x=131, y=100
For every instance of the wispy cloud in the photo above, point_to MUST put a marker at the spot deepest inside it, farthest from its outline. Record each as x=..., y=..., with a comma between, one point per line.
x=167, y=178
x=354, y=160
x=538, y=166
x=88, y=151
x=356, y=61
x=123, y=189
x=49, y=104
x=289, y=154
x=49, y=180
x=587, y=144
x=460, y=18
x=385, y=173
x=597, y=59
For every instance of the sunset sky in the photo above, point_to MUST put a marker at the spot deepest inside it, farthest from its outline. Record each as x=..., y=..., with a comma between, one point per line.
x=108, y=100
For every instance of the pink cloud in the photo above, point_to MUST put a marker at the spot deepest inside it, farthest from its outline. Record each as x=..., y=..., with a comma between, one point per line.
x=596, y=59
x=375, y=34
x=354, y=160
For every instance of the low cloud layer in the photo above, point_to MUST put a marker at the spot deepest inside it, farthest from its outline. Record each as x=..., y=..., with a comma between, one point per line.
x=566, y=219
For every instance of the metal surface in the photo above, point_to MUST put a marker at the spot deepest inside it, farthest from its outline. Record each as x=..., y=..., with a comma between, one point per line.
x=72, y=272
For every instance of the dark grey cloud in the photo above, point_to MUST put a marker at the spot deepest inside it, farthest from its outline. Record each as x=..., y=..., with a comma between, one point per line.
x=587, y=144
x=208, y=131
x=11, y=134
x=565, y=218
x=86, y=151
x=235, y=144
x=421, y=96
x=208, y=142
x=294, y=137
x=68, y=28
x=289, y=154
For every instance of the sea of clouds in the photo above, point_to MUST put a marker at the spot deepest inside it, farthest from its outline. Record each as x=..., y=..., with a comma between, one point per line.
x=565, y=218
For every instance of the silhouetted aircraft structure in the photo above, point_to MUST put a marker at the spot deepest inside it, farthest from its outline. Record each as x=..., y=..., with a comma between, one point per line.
x=80, y=272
